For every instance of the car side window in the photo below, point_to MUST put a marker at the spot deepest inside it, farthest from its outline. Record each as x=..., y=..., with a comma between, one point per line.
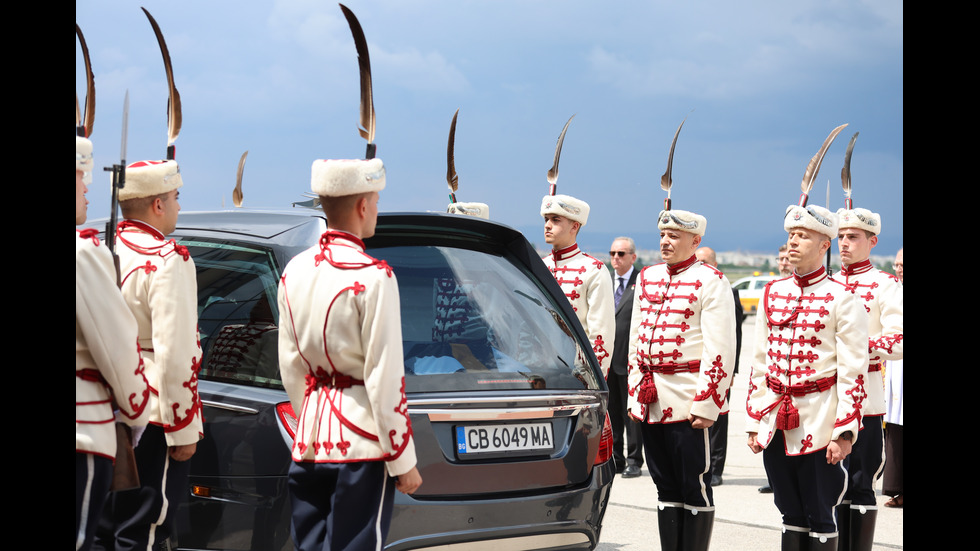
x=237, y=312
x=742, y=286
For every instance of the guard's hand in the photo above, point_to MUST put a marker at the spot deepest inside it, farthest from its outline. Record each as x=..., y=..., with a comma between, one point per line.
x=183, y=453
x=837, y=450
x=409, y=482
x=700, y=422
x=754, y=442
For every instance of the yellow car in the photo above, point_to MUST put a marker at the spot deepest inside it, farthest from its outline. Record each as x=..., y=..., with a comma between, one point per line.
x=750, y=290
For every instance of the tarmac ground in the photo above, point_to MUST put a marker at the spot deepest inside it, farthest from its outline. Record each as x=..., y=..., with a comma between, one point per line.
x=744, y=518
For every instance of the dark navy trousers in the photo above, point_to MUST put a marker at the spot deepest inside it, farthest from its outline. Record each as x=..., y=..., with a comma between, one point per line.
x=340, y=506
x=806, y=488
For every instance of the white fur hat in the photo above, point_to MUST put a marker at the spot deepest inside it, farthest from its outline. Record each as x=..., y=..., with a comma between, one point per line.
x=574, y=209
x=83, y=158
x=149, y=178
x=682, y=220
x=340, y=177
x=480, y=210
x=811, y=217
x=862, y=219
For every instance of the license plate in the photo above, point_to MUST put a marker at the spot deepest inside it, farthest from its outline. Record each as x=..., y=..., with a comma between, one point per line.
x=472, y=439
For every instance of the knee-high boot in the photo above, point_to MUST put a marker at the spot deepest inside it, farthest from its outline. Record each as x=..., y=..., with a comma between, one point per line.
x=696, y=530
x=862, y=529
x=795, y=539
x=670, y=520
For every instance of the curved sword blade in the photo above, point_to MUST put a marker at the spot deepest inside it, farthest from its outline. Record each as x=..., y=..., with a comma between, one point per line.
x=89, y=121
x=813, y=168
x=367, y=122
x=451, y=177
x=553, y=172
x=173, y=102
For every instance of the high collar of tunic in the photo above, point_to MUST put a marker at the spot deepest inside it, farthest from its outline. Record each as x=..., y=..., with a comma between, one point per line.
x=140, y=225
x=857, y=268
x=337, y=237
x=811, y=278
x=674, y=269
x=566, y=253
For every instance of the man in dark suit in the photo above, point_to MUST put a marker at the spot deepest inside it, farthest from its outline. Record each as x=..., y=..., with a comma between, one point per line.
x=623, y=256
x=718, y=433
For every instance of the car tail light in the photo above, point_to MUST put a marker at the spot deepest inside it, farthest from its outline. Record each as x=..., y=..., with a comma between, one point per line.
x=605, y=443
x=288, y=419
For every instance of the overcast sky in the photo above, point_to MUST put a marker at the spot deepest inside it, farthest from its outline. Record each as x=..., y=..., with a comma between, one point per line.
x=762, y=84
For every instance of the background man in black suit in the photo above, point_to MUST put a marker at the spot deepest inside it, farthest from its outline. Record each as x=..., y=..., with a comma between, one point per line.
x=718, y=433
x=623, y=256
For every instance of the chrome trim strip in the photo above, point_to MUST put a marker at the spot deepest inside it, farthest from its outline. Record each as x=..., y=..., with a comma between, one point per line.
x=491, y=408
x=521, y=543
x=230, y=407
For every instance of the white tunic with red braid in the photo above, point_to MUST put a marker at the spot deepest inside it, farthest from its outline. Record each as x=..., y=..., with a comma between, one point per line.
x=682, y=343
x=340, y=356
x=107, y=359
x=882, y=296
x=159, y=283
x=809, y=363
x=586, y=282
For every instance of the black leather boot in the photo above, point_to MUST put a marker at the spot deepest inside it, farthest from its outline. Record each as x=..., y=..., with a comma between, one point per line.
x=862, y=529
x=795, y=539
x=670, y=520
x=843, y=513
x=696, y=530
x=824, y=543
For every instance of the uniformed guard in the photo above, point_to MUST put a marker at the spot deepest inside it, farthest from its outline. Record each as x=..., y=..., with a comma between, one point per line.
x=882, y=296
x=582, y=277
x=159, y=283
x=341, y=361
x=108, y=368
x=681, y=361
x=808, y=381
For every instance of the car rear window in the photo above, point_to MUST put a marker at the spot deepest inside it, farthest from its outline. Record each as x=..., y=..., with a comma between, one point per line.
x=473, y=320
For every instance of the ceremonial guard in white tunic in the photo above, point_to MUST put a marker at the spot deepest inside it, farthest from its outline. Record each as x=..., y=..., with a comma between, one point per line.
x=681, y=362
x=340, y=356
x=808, y=382
x=110, y=384
x=341, y=361
x=583, y=278
x=882, y=296
x=159, y=282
